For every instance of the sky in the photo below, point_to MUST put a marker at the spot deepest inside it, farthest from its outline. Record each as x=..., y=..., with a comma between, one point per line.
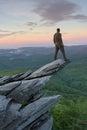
x=34, y=22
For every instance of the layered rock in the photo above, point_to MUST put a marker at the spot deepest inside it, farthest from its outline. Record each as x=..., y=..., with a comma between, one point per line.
x=22, y=104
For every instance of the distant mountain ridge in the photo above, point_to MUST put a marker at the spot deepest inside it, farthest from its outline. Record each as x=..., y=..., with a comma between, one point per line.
x=35, y=57
x=34, y=50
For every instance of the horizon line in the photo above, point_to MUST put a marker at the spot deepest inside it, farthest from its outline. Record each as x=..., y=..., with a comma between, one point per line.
x=40, y=46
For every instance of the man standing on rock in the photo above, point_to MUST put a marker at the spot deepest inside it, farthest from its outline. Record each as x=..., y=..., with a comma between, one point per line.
x=57, y=39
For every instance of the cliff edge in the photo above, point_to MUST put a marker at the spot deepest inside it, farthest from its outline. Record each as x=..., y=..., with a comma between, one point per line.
x=23, y=106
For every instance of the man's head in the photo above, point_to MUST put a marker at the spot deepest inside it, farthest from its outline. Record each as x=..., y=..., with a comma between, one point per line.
x=58, y=29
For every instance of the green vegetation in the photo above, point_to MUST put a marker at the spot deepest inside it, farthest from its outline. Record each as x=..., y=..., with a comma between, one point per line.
x=11, y=72
x=71, y=112
x=70, y=115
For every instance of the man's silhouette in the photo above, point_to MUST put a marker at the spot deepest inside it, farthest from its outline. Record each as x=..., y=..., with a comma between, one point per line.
x=58, y=44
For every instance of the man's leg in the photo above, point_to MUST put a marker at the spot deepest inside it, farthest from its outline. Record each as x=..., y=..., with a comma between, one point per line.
x=63, y=52
x=56, y=51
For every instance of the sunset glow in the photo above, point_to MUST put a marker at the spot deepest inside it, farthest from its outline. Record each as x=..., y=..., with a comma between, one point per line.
x=25, y=23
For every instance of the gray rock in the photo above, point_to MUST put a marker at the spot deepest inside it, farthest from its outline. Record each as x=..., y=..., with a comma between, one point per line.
x=16, y=76
x=45, y=125
x=5, y=79
x=38, y=122
x=37, y=96
x=12, y=113
x=3, y=107
x=34, y=110
x=47, y=69
x=27, y=89
x=25, y=75
x=7, y=88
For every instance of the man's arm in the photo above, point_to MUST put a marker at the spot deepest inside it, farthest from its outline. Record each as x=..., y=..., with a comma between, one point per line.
x=61, y=39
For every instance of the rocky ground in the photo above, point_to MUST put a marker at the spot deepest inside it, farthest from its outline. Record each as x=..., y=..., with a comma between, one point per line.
x=23, y=106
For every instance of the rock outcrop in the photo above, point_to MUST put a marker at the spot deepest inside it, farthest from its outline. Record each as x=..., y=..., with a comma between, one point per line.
x=22, y=104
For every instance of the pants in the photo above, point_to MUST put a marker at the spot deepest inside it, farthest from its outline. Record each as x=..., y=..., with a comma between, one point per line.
x=61, y=48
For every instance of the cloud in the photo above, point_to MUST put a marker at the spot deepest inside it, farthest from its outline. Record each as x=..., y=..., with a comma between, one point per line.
x=16, y=7
x=80, y=17
x=2, y=31
x=31, y=24
x=2, y=35
x=58, y=10
x=49, y=11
